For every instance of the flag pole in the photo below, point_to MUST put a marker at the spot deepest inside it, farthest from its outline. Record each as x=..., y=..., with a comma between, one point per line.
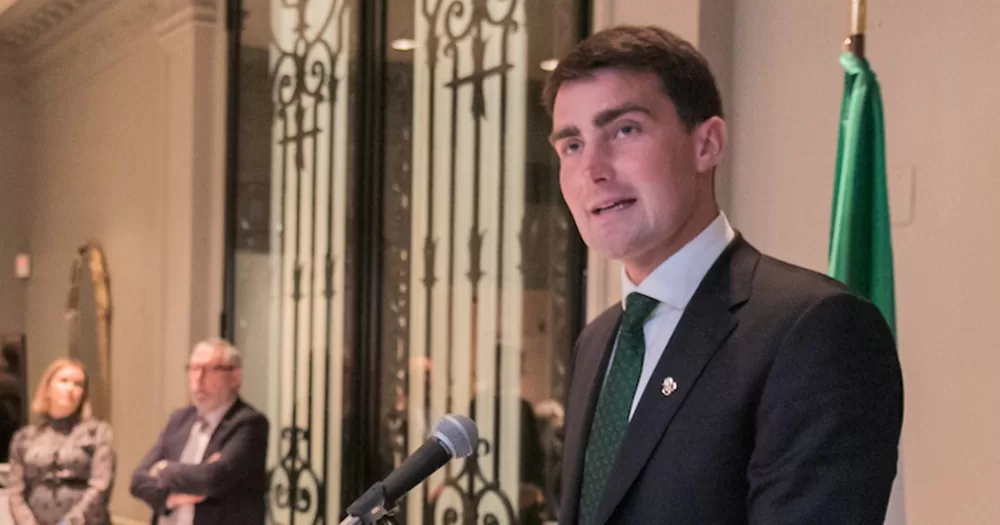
x=855, y=43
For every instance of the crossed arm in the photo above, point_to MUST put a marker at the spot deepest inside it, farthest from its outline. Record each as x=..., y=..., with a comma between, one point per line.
x=165, y=484
x=144, y=485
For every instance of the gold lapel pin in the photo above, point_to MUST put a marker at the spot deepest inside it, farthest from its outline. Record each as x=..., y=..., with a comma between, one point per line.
x=668, y=387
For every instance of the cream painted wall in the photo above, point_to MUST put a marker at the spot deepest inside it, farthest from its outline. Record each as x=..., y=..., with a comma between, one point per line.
x=939, y=68
x=126, y=112
x=97, y=161
x=679, y=16
x=14, y=199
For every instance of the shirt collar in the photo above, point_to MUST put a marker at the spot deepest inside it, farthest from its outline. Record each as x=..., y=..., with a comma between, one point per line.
x=675, y=280
x=214, y=417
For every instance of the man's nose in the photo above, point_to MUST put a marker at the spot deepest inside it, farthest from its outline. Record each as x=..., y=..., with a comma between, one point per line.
x=596, y=162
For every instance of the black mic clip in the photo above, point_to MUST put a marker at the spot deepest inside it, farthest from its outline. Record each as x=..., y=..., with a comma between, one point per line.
x=370, y=509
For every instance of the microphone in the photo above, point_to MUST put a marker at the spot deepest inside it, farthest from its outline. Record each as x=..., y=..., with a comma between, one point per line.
x=454, y=436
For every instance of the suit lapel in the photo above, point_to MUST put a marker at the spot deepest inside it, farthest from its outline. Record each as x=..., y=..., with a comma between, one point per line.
x=181, y=434
x=221, y=430
x=592, y=357
x=706, y=323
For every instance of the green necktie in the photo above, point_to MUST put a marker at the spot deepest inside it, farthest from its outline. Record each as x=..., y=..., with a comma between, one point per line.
x=615, y=402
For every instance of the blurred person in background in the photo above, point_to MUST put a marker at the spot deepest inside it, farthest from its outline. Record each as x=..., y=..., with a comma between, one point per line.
x=208, y=466
x=62, y=466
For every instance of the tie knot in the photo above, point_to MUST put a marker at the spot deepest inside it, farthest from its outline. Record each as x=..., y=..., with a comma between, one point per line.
x=202, y=424
x=637, y=309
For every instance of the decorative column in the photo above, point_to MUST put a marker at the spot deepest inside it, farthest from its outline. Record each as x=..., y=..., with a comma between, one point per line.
x=191, y=33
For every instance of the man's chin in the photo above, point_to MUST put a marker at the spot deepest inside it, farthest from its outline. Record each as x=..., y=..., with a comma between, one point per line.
x=615, y=251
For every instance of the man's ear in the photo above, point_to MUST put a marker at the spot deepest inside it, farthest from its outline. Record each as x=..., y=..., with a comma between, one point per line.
x=710, y=143
x=237, y=381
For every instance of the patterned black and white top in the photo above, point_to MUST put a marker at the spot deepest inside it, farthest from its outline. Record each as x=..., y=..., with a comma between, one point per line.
x=61, y=472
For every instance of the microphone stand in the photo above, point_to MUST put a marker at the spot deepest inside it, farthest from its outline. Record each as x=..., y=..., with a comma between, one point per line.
x=381, y=518
x=370, y=509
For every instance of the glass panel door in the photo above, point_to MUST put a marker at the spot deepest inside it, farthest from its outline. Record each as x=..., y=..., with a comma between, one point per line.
x=294, y=193
x=400, y=249
x=483, y=266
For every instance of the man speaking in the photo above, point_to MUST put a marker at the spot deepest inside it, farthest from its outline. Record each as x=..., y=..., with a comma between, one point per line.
x=727, y=387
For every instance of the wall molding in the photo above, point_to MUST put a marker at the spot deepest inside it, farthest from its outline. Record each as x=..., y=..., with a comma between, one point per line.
x=90, y=49
x=26, y=26
x=184, y=12
x=22, y=28
x=62, y=43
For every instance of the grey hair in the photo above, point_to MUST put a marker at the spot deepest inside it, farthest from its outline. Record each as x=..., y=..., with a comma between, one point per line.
x=230, y=353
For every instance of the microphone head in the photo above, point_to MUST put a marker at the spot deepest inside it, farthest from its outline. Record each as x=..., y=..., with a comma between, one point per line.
x=458, y=434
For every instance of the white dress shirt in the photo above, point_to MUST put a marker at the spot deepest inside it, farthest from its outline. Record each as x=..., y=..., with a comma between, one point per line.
x=194, y=452
x=673, y=283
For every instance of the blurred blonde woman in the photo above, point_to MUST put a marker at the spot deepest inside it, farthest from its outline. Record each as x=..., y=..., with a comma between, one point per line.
x=62, y=466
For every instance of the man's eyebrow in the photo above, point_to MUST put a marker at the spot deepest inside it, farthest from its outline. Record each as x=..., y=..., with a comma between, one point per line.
x=600, y=120
x=566, y=132
x=608, y=115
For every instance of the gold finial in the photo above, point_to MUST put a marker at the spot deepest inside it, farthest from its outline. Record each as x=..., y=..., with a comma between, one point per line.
x=858, y=13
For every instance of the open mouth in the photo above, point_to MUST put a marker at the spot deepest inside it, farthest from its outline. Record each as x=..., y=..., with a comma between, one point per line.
x=613, y=206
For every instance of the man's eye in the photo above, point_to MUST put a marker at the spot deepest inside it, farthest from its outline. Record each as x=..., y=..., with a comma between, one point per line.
x=571, y=148
x=626, y=130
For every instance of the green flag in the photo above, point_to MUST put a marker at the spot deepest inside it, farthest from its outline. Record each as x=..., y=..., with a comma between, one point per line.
x=860, y=241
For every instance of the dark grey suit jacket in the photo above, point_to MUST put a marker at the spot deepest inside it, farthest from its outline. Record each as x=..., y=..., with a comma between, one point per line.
x=787, y=410
x=234, y=485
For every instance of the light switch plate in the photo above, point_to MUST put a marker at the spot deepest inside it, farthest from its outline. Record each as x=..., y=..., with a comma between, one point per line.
x=902, y=189
x=22, y=266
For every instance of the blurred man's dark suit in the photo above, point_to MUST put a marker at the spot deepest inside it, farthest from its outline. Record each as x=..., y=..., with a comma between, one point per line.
x=232, y=474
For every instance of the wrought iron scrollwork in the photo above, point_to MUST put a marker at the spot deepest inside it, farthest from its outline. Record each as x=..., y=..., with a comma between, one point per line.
x=472, y=498
x=295, y=484
x=304, y=83
x=469, y=26
x=473, y=38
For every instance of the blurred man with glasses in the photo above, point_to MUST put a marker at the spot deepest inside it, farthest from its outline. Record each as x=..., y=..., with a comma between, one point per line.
x=208, y=465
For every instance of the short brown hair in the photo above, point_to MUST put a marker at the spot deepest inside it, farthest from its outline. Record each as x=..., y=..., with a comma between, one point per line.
x=40, y=403
x=230, y=354
x=684, y=73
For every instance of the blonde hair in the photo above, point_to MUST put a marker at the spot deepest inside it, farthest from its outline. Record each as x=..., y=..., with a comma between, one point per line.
x=40, y=403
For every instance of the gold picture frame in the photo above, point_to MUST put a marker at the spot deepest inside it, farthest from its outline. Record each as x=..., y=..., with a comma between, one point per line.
x=89, y=316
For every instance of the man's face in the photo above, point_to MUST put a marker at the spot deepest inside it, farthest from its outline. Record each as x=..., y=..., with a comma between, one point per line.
x=629, y=170
x=211, y=380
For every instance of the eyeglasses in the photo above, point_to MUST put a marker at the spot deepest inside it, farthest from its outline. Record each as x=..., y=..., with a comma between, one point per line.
x=218, y=369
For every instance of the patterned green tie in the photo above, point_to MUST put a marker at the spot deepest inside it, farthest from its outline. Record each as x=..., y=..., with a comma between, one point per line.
x=615, y=402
